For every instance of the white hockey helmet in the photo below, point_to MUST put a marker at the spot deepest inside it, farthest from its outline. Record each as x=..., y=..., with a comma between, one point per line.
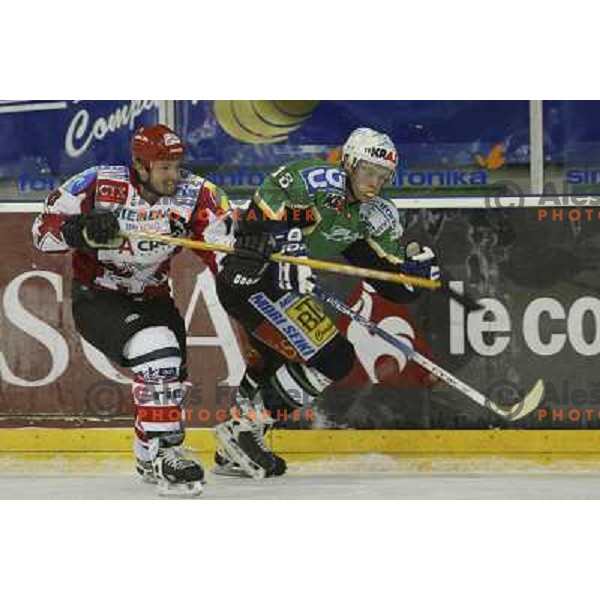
x=371, y=146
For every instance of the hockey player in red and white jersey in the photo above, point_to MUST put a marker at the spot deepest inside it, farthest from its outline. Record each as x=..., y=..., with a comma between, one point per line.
x=122, y=303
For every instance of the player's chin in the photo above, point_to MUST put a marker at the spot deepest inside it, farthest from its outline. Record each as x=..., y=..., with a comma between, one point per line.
x=366, y=196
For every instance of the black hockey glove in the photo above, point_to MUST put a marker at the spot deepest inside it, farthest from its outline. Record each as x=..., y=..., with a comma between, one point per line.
x=250, y=260
x=290, y=277
x=94, y=230
x=253, y=250
x=420, y=262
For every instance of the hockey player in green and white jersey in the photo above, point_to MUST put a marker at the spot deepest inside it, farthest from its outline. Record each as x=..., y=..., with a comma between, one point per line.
x=306, y=208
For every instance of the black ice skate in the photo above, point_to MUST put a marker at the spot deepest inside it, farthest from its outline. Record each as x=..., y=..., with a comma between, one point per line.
x=176, y=474
x=241, y=448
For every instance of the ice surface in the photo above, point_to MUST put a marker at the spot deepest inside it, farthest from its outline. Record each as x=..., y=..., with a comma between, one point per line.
x=325, y=480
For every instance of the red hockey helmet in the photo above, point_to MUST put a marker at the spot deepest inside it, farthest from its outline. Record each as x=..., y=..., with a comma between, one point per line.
x=156, y=142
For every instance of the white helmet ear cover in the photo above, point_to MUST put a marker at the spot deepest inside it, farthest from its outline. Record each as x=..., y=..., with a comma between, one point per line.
x=371, y=146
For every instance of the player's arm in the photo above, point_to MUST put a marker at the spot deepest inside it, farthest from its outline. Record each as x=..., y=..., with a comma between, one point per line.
x=381, y=248
x=413, y=260
x=61, y=206
x=257, y=227
x=280, y=203
x=212, y=222
x=269, y=209
x=271, y=223
x=254, y=229
x=368, y=254
x=69, y=220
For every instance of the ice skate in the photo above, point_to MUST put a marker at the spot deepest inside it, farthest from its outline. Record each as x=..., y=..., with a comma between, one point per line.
x=241, y=447
x=175, y=473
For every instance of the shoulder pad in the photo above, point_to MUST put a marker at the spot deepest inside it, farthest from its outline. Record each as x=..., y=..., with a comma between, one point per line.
x=78, y=183
x=381, y=216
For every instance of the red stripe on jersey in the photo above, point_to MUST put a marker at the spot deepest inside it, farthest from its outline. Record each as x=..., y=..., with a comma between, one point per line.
x=140, y=434
x=207, y=204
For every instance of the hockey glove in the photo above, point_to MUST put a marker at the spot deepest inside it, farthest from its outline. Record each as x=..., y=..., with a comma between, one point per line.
x=420, y=262
x=94, y=230
x=291, y=277
x=252, y=251
x=250, y=261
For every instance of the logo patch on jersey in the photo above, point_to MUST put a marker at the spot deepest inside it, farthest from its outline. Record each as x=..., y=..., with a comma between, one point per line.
x=112, y=191
x=313, y=321
x=336, y=202
x=113, y=172
x=302, y=335
x=341, y=235
x=323, y=179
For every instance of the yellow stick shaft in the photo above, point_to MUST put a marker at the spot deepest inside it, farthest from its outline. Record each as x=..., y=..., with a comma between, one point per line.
x=321, y=265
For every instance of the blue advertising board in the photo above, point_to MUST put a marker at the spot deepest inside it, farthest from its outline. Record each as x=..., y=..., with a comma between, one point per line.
x=66, y=136
x=442, y=143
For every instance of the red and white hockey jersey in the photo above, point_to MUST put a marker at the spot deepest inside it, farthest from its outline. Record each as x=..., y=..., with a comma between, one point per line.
x=137, y=266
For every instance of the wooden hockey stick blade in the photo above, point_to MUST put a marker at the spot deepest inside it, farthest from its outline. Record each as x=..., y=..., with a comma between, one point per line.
x=524, y=407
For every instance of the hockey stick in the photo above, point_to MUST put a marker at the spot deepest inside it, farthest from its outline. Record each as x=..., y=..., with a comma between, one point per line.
x=519, y=410
x=321, y=265
x=465, y=300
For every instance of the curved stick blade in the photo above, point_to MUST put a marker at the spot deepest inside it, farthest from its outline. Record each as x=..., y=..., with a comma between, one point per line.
x=525, y=407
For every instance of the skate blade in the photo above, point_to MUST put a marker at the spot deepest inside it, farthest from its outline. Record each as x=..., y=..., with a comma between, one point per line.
x=148, y=479
x=145, y=471
x=182, y=490
x=225, y=471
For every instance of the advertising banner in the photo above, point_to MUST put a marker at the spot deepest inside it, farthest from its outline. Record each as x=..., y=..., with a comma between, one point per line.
x=443, y=144
x=535, y=271
x=469, y=146
x=58, y=137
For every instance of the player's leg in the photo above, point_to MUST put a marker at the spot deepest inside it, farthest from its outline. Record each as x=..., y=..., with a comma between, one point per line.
x=241, y=447
x=149, y=338
x=262, y=400
x=311, y=354
x=154, y=355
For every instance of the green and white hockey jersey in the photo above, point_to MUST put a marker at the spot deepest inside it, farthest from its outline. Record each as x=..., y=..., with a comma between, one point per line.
x=311, y=194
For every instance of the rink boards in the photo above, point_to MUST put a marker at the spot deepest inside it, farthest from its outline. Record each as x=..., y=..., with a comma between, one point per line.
x=409, y=449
